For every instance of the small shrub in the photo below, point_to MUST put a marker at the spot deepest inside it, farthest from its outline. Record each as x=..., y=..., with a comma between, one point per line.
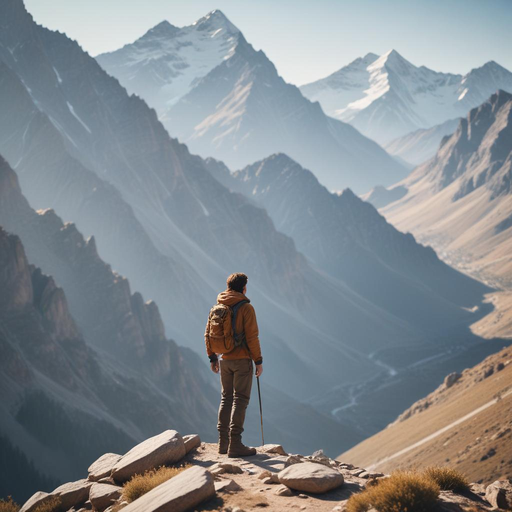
x=51, y=505
x=9, y=505
x=448, y=479
x=139, y=485
x=401, y=492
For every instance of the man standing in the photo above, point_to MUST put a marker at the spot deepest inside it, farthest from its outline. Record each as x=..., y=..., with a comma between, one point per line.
x=236, y=366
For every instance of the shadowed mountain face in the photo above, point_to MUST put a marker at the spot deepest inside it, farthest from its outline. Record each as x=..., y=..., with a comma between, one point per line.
x=388, y=97
x=100, y=158
x=347, y=238
x=62, y=404
x=460, y=201
x=227, y=100
x=421, y=145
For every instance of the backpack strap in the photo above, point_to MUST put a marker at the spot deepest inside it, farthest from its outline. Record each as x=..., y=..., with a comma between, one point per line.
x=235, y=308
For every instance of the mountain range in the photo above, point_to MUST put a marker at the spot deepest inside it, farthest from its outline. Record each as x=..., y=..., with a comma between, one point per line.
x=162, y=220
x=386, y=97
x=460, y=201
x=224, y=99
x=347, y=238
x=109, y=215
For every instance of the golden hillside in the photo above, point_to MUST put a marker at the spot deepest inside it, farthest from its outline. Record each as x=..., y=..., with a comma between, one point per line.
x=465, y=423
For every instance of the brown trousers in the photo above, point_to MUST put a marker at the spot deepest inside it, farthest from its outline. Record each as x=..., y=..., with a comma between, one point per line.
x=236, y=382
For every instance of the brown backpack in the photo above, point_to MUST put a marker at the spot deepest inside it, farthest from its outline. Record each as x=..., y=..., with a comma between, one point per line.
x=222, y=334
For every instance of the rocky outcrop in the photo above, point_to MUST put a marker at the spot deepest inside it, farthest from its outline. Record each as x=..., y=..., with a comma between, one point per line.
x=210, y=482
x=165, y=448
x=181, y=493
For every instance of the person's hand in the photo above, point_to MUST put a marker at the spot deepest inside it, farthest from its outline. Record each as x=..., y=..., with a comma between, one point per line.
x=259, y=369
x=215, y=366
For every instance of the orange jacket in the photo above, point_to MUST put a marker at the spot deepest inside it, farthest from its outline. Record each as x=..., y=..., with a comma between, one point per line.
x=245, y=322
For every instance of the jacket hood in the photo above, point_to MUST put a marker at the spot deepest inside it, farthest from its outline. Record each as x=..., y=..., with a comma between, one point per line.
x=230, y=297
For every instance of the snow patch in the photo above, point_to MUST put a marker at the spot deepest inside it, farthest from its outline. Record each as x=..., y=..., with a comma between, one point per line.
x=59, y=79
x=77, y=117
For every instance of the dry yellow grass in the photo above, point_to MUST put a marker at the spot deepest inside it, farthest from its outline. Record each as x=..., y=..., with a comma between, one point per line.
x=8, y=505
x=448, y=479
x=141, y=484
x=402, y=492
x=51, y=505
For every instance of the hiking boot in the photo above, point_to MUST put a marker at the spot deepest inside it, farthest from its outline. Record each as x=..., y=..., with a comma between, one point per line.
x=223, y=443
x=238, y=449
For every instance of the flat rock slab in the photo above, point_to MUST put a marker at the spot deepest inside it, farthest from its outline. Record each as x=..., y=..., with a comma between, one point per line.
x=192, y=441
x=165, y=448
x=227, y=486
x=73, y=493
x=311, y=477
x=103, y=496
x=39, y=498
x=182, y=492
x=102, y=467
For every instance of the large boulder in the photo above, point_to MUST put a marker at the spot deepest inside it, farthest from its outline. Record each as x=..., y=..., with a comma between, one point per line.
x=499, y=494
x=103, y=496
x=183, y=492
x=36, y=500
x=310, y=477
x=102, y=467
x=165, y=448
x=73, y=493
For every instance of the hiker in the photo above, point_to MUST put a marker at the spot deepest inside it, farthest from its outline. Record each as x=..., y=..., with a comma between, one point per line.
x=239, y=348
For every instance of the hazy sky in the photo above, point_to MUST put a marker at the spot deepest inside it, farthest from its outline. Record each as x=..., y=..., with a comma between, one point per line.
x=310, y=39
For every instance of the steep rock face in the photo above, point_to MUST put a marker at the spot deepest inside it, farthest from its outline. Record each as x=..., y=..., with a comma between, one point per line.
x=388, y=97
x=347, y=238
x=232, y=104
x=111, y=318
x=460, y=201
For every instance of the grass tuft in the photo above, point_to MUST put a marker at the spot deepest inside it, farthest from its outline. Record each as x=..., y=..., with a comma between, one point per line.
x=139, y=485
x=52, y=505
x=448, y=479
x=8, y=505
x=401, y=492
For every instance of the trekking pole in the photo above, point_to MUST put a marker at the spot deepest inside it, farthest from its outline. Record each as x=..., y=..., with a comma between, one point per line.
x=261, y=411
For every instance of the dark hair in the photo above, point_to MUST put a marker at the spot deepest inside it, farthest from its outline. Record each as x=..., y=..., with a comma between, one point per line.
x=236, y=282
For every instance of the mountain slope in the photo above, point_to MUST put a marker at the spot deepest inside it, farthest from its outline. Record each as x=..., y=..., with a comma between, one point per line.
x=466, y=423
x=460, y=201
x=391, y=97
x=348, y=239
x=241, y=110
x=421, y=145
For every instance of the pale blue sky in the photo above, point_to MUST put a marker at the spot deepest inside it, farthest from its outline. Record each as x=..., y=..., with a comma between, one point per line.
x=308, y=40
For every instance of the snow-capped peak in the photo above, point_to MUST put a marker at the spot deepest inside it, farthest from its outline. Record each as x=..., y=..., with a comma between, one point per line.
x=165, y=63
x=163, y=29
x=392, y=60
x=214, y=21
